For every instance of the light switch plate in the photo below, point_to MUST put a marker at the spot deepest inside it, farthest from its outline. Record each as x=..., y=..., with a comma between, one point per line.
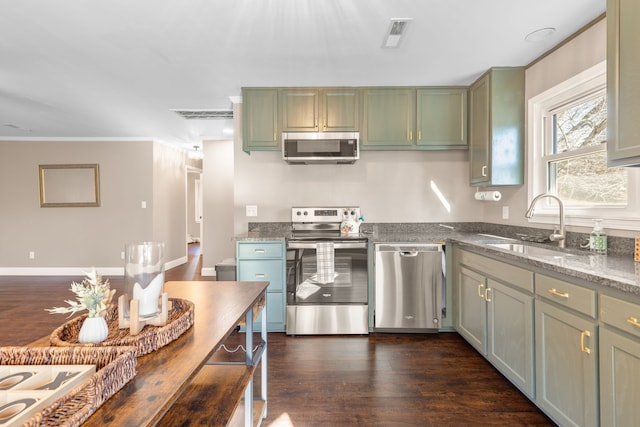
x=505, y=212
x=252, y=210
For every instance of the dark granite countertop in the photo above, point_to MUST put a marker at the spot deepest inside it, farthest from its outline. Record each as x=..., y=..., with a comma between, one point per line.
x=614, y=271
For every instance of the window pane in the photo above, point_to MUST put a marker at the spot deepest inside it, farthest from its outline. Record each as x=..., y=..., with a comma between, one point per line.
x=581, y=125
x=585, y=180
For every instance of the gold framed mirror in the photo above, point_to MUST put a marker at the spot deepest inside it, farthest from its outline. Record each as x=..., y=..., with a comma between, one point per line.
x=69, y=185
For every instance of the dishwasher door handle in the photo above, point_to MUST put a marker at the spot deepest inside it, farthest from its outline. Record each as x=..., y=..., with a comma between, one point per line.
x=409, y=253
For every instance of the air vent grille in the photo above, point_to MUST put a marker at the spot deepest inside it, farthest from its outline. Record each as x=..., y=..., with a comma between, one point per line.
x=205, y=114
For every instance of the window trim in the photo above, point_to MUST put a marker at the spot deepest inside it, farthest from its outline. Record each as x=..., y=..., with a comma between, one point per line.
x=585, y=83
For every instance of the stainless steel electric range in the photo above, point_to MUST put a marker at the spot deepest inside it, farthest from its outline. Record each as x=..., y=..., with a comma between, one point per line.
x=327, y=273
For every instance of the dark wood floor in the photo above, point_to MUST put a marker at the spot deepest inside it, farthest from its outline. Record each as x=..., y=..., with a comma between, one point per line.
x=375, y=380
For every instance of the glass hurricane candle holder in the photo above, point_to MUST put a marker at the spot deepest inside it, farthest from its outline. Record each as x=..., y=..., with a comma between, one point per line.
x=144, y=277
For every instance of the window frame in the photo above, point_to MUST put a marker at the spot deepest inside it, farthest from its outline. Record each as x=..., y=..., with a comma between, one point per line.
x=539, y=138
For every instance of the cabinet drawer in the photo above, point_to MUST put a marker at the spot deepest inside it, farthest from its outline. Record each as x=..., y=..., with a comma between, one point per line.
x=514, y=276
x=261, y=271
x=567, y=294
x=260, y=250
x=620, y=314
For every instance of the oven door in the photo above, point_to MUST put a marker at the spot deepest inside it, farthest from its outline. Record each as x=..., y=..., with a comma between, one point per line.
x=350, y=285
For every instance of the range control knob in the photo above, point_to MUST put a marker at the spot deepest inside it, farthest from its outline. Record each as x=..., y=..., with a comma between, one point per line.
x=298, y=213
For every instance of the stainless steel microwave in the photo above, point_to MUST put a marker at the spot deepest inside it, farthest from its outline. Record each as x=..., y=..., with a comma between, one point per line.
x=320, y=147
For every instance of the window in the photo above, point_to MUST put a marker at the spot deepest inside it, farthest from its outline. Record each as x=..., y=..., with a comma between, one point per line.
x=568, y=157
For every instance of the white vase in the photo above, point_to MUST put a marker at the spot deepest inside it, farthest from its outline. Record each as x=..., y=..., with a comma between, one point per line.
x=94, y=330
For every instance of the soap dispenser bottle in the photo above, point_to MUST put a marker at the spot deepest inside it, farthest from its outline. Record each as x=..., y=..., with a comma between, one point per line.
x=598, y=239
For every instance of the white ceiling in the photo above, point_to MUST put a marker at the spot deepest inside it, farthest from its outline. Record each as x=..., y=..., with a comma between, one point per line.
x=101, y=69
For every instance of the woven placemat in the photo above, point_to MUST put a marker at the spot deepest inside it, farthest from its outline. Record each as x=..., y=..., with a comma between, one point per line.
x=149, y=339
x=115, y=366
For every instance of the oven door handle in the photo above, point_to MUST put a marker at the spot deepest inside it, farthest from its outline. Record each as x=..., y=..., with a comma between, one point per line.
x=336, y=245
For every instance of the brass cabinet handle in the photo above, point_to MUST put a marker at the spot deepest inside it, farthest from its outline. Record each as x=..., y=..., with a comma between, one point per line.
x=259, y=251
x=480, y=293
x=633, y=321
x=260, y=275
x=486, y=295
x=419, y=135
x=274, y=136
x=554, y=291
x=582, y=346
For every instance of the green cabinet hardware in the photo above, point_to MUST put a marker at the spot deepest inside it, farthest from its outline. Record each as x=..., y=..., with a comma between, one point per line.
x=623, y=91
x=265, y=261
x=260, y=119
x=496, y=128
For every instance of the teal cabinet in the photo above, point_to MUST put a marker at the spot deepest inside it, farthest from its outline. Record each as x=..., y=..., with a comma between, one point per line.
x=320, y=110
x=623, y=91
x=494, y=313
x=619, y=362
x=566, y=353
x=496, y=128
x=265, y=261
x=441, y=118
x=260, y=129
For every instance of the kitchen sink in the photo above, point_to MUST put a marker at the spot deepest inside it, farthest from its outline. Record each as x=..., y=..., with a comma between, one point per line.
x=534, y=251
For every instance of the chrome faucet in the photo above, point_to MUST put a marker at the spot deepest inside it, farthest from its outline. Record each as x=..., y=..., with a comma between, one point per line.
x=558, y=235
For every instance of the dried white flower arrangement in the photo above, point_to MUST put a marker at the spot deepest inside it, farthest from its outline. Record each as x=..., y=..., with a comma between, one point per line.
x=92, y=294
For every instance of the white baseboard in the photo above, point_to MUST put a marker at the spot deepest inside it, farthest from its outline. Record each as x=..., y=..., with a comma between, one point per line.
x=208, y=271
x=76, y=271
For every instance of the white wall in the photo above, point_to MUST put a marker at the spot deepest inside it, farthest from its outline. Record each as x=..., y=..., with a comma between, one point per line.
x=218, y=241
x=72, y=240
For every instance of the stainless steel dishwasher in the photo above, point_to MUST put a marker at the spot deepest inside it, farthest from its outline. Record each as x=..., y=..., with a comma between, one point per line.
x=409, y=287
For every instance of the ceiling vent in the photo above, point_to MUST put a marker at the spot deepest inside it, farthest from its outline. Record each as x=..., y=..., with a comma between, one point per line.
x=397, y=29
x=205, y=114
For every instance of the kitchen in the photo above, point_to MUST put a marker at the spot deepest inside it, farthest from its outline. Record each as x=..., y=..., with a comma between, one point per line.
x=403, y=190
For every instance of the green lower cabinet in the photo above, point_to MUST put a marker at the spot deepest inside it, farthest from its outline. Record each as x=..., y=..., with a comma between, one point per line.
x=510, y=324
x=497, y=320
x=566, y=366
x=264, y=261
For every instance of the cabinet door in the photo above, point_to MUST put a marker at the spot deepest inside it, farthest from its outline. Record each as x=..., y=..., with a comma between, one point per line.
x=623, y=91
x=510, y=331
x=299, y=110
x=619, y=379
x=260, y=119
x=388, y=118
x=479, y=133
x=340, y=110
x=566, y=366
x=472, y=308
x=441, y=118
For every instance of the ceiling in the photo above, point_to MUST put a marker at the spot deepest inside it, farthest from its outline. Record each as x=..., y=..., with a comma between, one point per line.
x=116, y=69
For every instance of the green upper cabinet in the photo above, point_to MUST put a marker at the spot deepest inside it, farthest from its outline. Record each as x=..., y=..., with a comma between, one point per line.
x=496, y=121
x=388, y=118
x=320, y=110
x=441, y=118
x=623, y=91
x=429, y=118
x=260, y=119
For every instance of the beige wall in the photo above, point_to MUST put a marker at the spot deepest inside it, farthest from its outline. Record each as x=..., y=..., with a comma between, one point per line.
x=72, y=240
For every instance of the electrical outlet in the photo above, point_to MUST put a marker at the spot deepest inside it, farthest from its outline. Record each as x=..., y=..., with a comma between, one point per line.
x=252, y=210
x=32, y=255
x=505, y=212
x=122, y=255
x=143, y=204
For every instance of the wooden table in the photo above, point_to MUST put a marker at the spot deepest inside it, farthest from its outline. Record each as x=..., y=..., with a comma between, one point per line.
x=163, y=375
